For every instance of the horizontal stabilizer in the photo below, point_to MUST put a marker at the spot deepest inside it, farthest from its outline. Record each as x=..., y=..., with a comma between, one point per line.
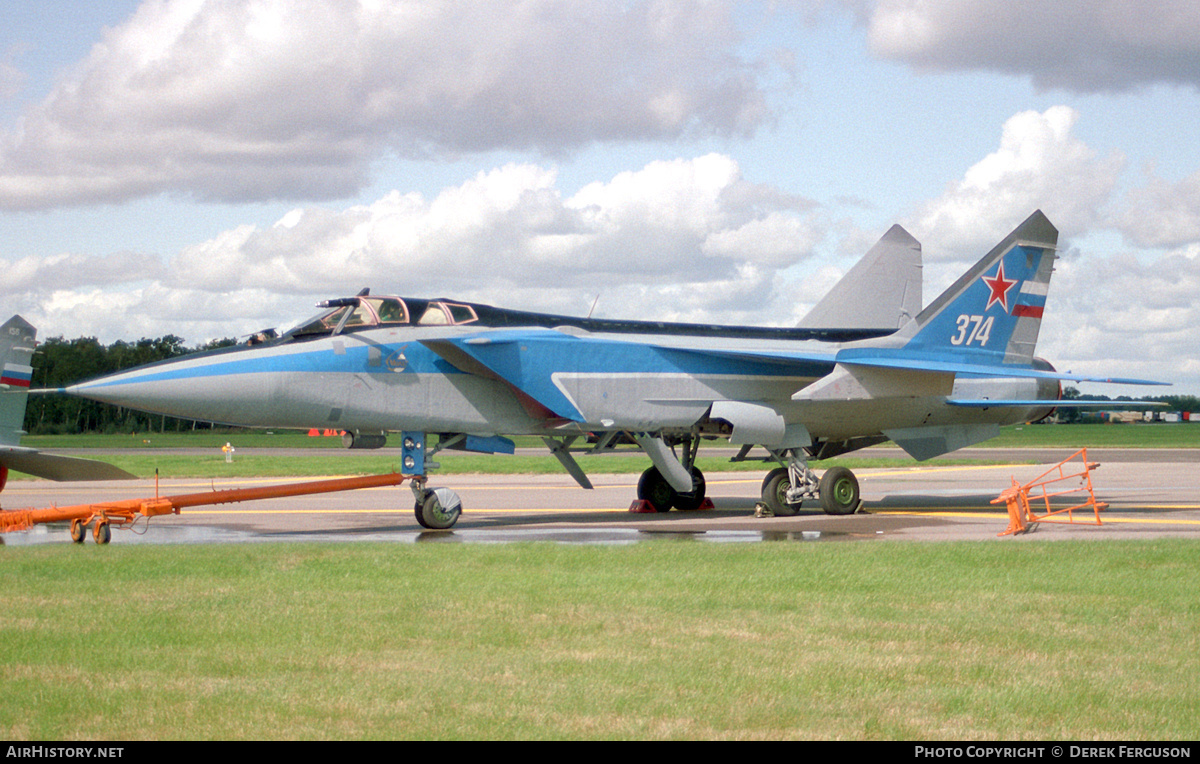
x=897, y=361
x=1058, y=404
x=60, y=468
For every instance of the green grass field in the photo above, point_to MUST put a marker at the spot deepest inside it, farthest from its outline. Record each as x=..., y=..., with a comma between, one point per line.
x=664, y=639
x=658, y=640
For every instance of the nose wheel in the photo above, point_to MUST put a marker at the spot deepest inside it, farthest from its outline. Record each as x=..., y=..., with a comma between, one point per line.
x=654, y=488
x=437, y=508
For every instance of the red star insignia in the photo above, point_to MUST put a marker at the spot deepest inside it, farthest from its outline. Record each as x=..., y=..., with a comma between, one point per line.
x=999, y=286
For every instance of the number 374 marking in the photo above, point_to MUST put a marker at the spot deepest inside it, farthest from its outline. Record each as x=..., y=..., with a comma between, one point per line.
x=972, y=329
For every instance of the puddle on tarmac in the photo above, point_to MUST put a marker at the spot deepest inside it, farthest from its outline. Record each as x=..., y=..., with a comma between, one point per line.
x=180, y=534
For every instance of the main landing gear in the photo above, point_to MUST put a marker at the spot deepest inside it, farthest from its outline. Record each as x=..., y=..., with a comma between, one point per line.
x=654, y=489
x=784, y=489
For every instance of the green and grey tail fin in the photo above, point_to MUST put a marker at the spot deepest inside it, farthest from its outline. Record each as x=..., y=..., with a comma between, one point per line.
x=18, y=339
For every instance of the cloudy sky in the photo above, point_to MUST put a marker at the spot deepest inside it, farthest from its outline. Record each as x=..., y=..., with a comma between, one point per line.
x=208, y=168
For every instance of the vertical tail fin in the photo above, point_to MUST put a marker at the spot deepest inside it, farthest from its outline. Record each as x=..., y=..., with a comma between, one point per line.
x=17, y=341
x=992, y=314
x=881, y=291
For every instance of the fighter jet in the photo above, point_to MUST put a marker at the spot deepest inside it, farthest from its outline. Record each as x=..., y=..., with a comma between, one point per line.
x=17, y=344
x=931, y=380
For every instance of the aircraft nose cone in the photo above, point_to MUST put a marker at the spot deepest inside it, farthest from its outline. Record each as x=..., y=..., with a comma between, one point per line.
x=190, y=388
x=155, y=390
x=110, y=389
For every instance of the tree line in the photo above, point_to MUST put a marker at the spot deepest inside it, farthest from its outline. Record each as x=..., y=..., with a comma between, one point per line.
x=61, y=362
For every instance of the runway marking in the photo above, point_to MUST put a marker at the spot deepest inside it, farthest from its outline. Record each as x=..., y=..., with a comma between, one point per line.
x=1149, y=521
x=218, y=484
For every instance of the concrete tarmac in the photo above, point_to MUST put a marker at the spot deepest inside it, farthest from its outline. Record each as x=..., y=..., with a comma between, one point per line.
x=1151, y=493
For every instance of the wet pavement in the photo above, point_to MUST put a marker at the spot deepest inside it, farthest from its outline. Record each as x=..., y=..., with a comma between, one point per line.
x=1148, y=497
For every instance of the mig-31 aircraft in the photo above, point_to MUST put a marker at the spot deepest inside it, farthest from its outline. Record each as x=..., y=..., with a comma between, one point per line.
x=867, y=365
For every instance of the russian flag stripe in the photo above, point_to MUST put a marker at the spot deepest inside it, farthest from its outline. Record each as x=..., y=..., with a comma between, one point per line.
x=16, y=375
x=1035, y=287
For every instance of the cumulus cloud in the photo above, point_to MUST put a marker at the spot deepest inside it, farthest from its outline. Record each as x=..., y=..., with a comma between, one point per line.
x=68, y=270
x=1081, y=45
x=1118, y=314
x=252, y=99
x=683, y=221
x=1163, y=214
x=1040, y=164
x=687, y=239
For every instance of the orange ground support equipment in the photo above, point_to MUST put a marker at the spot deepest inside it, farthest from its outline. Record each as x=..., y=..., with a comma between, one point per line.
x=1071, y=476
x=103, y=515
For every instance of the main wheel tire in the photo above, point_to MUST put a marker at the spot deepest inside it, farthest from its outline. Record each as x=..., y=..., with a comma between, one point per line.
x=695, y=497
x=839, y=491
x=439, y=509
x=774, y=493
x=654, y=488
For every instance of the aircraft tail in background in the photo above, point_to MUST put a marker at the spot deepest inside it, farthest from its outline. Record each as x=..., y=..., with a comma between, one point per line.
x=18, y=339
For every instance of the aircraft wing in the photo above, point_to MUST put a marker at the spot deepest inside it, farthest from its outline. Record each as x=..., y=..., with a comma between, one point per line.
x=807, y=362
x=556, y=370
x=546, y=365
x=55, y=467
x=1062, y=403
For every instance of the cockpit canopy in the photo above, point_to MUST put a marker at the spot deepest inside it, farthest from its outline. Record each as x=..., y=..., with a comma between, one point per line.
x=363, y=311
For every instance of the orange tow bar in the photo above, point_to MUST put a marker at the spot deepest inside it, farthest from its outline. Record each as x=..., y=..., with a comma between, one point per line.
x=125, y=512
